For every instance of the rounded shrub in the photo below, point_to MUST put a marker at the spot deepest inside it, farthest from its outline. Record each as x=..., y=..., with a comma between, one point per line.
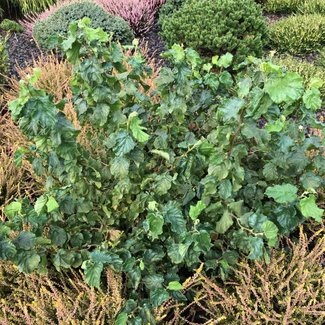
x=11, y=26
x=299, y=34
x=59, y=21
x=169, y=8
x=218, y=26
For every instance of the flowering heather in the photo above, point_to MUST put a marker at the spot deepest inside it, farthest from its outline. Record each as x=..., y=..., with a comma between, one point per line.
x=140, y=14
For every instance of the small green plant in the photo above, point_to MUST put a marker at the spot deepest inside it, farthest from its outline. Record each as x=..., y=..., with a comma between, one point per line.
x=4, y=60
x=58, y=23
x=11, y=26
x=299, y=34
x=215, y=27
x=184, y=175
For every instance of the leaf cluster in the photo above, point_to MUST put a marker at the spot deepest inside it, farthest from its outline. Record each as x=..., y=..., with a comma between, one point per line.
x=187, y=175
x=11, y=26
x=58, y=23
x=298, y=34
x=217, y=27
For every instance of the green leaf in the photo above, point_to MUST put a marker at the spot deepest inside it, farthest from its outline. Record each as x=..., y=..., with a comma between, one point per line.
x=270, y=230
x=195, y=210
x=121, y=319
x=224, y=61
x=309, y=208
x=224, y=223
x=312, y=99
x=270, y=171
x=244, y=86
x=25, y=240
x=28, y=262
x=58, y=236
x=158, y=296
x=156, y=223
x=153, y=281
x=40, y=204
x=225, y=189
x=173, y=215
x=231, y=108
x=7, y=250
x=161, y=153
x=93, y=272
x=51, y=204
x=175, y=286
x=136, y=128
x=120, y=167
x=124, y=143
x=256, y=248
x=163, y=184
x=177, y=252
x=285, y=193
x=13, y=209
x=310, y=181
x=285, y=88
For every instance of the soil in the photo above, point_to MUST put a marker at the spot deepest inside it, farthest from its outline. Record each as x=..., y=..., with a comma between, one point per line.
x=22, y=50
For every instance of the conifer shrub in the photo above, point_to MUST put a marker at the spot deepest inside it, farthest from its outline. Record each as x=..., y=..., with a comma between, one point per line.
x=58, y=23
x=169, y=8
x=185, y=173
x=299, y=34
x=4, y=60
x=216, y=27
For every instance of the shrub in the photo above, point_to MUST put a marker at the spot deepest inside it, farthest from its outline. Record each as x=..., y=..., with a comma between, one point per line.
x=189, y=178
x=217, y=27
x=299, y=34
x=140, y=14
x=58, y=22
x=57, y=298
x=4, y=60
x=33, y=6
x=289, y=290
x=11, y=26
x=169, y=8
x=295, y=6
x=306, y=69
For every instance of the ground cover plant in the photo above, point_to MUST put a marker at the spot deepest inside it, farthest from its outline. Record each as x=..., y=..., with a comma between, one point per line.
x=295, y=6
x=217, y=27
x=185, y=179
x=11, y=26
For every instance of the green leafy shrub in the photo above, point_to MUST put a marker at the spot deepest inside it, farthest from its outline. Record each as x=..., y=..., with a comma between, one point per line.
x=289, y=290
x=4, y=60
x=295, y=6
x=169, y=8
x=185, y=175
x=217, y=27
x=298, y=34
x=58, y=23
x=11, y=26
x=306, y=69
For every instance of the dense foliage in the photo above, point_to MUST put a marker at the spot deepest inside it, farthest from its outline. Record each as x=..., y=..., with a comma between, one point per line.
x=169, y=8
x=11, y=26
x=298, y=34
x=217, y=26
x=185, y=179
x=295, y=6
x=58, y=23
x=4, y=61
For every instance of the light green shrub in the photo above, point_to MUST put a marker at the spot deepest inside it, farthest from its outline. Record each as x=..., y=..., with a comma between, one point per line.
x=217, y=26
x=11, y=26
x=59, y=21
x=298, y=34
x=4, y=61
x=292, y=6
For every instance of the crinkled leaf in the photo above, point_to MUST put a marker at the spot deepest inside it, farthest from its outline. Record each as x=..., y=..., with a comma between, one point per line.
x=175, y=286
x=309, y=208
x=13, y=209
x=51, y=204
x=285, y=193
x=153, y=281
x=224, y=223
x=120, y=167
x=93, y=272
x=25, y=240
x=156, y=223
x=195, y=210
